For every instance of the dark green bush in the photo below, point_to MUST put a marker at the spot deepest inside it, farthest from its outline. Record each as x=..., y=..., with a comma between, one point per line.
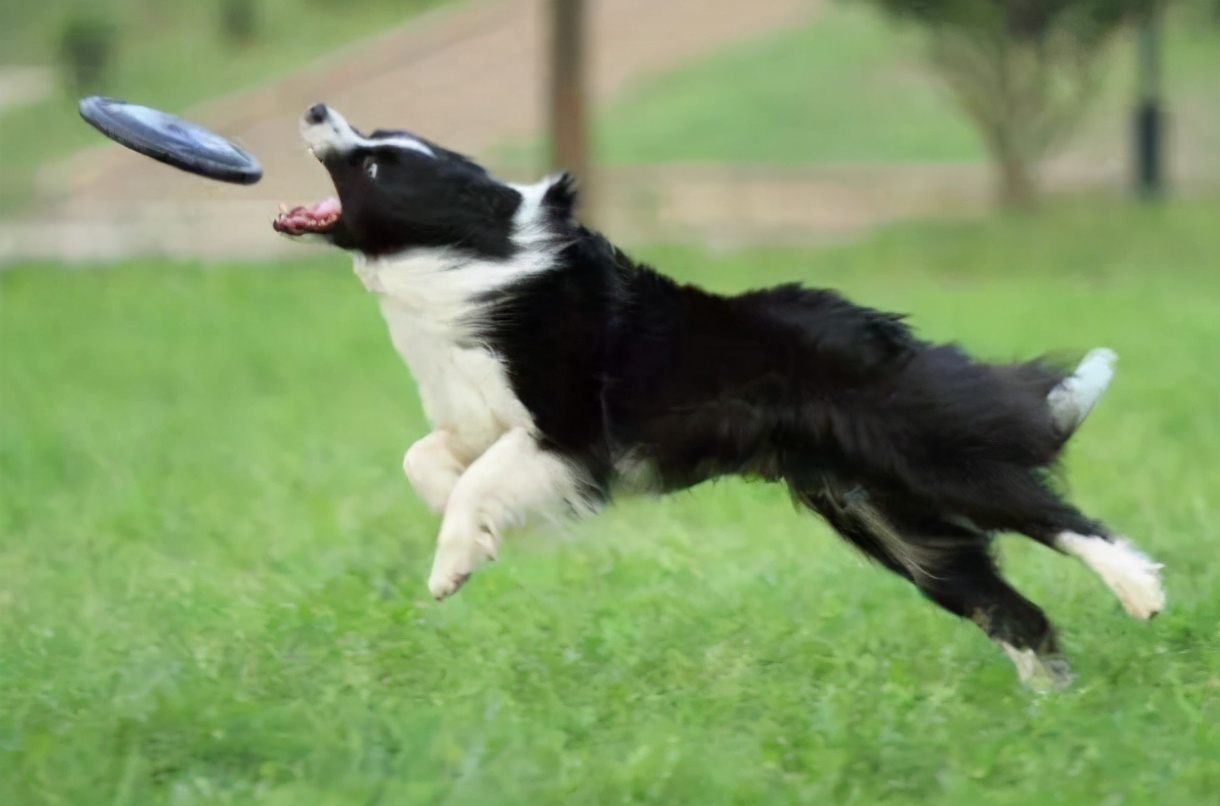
x=88, y=46
x=240, y=21
x=1023, y=71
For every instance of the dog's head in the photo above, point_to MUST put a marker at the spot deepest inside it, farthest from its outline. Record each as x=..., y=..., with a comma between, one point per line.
x=396, y=191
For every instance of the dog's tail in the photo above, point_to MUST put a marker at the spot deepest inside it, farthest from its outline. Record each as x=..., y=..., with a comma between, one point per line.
x=1075, y=396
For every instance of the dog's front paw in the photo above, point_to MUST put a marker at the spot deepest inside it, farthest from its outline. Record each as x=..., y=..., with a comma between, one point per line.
x=457, y=557
x=444, y=583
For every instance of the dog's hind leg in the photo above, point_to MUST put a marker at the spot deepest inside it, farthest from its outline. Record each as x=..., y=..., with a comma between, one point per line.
x=967, y=583
x=960, y=575
x=1075, y=396
x=1026, y=505
x=950, y=563
x=853, y=516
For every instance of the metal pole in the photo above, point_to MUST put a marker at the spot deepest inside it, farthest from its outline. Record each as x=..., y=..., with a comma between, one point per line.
x=1149, y=114
x=569, y=138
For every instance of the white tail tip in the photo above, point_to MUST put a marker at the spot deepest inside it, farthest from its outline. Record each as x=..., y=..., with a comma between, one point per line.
x=1072, y=400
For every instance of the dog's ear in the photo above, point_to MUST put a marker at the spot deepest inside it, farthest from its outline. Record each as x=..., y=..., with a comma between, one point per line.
x=561, y=195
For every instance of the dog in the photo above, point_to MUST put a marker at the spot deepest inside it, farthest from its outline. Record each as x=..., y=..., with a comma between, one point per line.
x=556, y=373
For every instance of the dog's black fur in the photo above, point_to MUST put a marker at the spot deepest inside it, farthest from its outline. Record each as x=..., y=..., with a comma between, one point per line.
x=914, y=452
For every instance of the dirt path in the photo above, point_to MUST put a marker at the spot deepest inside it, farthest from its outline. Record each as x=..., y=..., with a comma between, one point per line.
x=24, y=85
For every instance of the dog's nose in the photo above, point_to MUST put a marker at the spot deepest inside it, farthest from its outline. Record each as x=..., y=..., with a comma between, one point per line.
x=316, y=114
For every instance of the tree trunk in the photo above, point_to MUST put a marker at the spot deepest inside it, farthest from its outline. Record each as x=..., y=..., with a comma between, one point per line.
x=568, y=124
x=1017, y=188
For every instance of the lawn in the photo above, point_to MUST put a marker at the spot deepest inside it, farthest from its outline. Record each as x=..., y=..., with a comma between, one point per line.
x=169, y=55
x=212, y=570
x=847, y=87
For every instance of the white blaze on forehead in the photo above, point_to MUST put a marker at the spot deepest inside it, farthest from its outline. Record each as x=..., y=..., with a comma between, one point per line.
x=404, y=141
x=334, y=134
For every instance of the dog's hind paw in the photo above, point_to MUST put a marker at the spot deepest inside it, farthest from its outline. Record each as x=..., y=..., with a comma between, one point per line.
x=1139, y=586
x=1133, y=576
x=1039, y=672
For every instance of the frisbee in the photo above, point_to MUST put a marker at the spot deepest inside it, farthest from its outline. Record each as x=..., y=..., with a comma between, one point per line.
x=170, y=139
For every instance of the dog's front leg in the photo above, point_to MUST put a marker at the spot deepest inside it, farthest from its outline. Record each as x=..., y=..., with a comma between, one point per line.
x=512, y=480
x=433, y=467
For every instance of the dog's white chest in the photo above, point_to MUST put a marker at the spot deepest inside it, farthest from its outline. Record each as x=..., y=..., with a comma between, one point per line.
x=464, y=390
x=369, y=275
x=427, y=302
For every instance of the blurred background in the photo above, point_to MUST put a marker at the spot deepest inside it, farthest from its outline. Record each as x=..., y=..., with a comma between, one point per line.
x=774, y=120
x=212, y=569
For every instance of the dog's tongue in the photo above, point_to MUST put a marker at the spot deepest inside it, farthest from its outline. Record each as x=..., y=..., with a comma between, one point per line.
x=317, y=217
x=326, y=208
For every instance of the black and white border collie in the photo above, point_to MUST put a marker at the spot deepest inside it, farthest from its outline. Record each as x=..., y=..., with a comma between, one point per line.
x=556, y=372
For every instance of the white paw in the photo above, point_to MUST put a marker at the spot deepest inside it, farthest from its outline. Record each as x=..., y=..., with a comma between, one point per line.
x=1133, y=577
x=457, y=557
x=1038, y=672
x=1138, y=586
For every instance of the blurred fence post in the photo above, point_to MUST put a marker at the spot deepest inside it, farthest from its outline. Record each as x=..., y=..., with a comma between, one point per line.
x=568, y=125
x=1149, y=112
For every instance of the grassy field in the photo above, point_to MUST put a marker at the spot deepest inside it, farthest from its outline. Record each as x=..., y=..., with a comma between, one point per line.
x=850, y=87
x=212, y=571
x=845, y=88
x=169, y=55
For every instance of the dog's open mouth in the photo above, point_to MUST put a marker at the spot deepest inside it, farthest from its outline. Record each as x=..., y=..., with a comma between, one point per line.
x=319, y=217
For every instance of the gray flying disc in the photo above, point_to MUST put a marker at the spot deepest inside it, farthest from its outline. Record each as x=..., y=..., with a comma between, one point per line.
x=170, y=139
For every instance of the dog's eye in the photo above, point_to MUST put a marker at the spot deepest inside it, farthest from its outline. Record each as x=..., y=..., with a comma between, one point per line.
x=370, y=167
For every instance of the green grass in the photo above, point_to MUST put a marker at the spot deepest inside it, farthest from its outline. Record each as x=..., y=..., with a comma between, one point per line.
x=170, y=55
x=212, y=571
x=840, y=89
x=850, y=87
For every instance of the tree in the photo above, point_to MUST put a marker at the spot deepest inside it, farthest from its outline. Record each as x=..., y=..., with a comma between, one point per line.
x=87, y=47
x=1024, y=71
x=568, y=123
x=240, y=21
